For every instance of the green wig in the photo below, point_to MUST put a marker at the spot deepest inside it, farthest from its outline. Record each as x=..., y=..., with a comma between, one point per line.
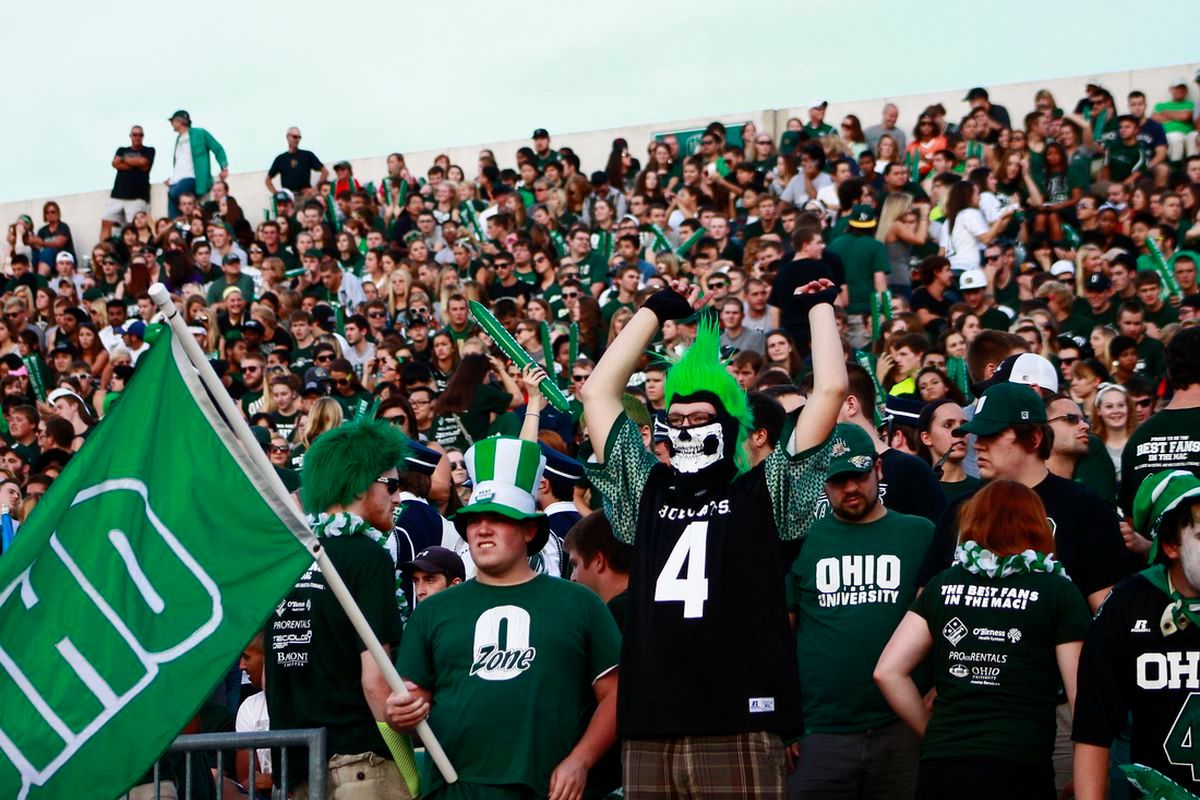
x=343, y=462
x=700, y=369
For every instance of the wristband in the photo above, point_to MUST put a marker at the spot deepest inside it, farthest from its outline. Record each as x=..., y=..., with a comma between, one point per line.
x=668, y=304
x=807, y=302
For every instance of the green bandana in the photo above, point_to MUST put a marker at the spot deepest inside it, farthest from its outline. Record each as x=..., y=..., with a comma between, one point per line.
x=981, y=561
x=327, y=526
x=1182, y=611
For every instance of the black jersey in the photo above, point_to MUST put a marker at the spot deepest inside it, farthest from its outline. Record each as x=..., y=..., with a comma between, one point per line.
x=1129, y=667
x=706, y=608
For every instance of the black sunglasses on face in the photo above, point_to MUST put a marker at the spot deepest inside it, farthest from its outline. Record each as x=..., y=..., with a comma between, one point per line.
x=392, y=484
x=279, y=448
x=399, y=419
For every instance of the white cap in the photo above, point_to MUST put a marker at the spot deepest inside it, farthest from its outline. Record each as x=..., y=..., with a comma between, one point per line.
x=1178, y=80
x=1062, y=267
x=64, y=256
x=1032, y=369
x=817, y=102
x=972, y=279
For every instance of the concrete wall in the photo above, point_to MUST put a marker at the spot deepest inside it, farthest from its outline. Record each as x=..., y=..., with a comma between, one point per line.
x=82, y=211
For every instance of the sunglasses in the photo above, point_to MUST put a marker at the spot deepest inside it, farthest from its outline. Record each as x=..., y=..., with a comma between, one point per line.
x=399, y=419
x=342, y=381
x=392, y=484
x=990, y=257
x=1071, y=419
x=251, y=369
x=567, y=295
x=693, y=420
x=323, y=358
x=455, y=464
x=578, y=378
x=278, y=448
x=419, y=310
x=377, y=314
x=12, y=314
x=255, y=251
x=717, y=285
x=1143, y=402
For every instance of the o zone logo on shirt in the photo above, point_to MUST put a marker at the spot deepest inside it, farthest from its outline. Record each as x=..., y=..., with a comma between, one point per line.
x=501, y=650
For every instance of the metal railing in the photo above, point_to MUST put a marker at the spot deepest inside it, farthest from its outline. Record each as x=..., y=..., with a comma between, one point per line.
x=311, y=738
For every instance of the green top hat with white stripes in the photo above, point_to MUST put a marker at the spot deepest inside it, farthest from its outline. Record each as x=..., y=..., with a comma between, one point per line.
x=505, y=473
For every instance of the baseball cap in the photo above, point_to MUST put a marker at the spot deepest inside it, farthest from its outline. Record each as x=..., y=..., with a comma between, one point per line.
x=599, y=178
x=1062, y=267
x=852, y=451
x=1002, y=406
x=422, y=459
x=1029, y=369
x=283, y=195
x=559, y=466
x=862, y=216
x=972, y=279
x=231, y=258
x=1179, y=80
x=135, y=328
x=903, y=410
x=541, y=133
x=437, y=561
x=316, y=375
x=58, y=394
x=197, y=330
x=342, y=165
x=63, y=346
x=976, y=94
x=64, y=256
x=788, y=142
x=817, y=102
x=181, y=115
x=253, y=326
x=312, y=252
x=1097, y=282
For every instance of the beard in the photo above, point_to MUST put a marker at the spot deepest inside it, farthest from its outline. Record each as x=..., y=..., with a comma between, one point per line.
x=856, y=506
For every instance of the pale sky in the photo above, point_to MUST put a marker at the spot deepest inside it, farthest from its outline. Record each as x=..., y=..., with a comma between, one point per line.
x=366, y=77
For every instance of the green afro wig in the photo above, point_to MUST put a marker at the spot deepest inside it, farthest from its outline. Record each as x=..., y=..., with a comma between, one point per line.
x=342, y=463
x=700, y=369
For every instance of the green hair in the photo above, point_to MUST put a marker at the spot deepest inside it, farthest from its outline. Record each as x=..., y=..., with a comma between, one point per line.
x=343, y=462
x=700, y=369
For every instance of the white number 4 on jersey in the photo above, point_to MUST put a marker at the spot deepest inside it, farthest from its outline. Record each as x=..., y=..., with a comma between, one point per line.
x=691, y=590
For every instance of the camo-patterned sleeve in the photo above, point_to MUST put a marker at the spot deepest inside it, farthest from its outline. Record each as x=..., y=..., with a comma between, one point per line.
x=622, y=477
x=795, y=481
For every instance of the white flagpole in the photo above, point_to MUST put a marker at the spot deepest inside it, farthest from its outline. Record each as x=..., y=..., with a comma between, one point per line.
x=258, y=461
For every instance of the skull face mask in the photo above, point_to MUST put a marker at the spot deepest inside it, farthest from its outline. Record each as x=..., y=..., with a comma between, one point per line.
x=695, y=449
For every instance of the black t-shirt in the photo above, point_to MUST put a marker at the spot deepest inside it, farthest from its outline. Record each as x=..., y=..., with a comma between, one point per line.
x=921, y=298
x=520, y=289
x=133, y=184
x=314, y=657
x=793, y=274
x=908, y=486
x=1087, y=539
x=1128, y=666
x=295, y=169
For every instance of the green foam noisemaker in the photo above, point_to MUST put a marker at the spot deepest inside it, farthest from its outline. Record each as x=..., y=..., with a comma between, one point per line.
x=560, y=245
x=661, y=245
x=1164, y=271
x=572, y=345
x=1071, y=236
x=34, y=368
x=514, y=351
x=691, y=241
x=547, y=350
x=1153, y=784
x=880, y=394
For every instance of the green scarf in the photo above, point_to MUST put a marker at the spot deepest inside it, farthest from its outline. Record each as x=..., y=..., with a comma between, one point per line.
x=328, y=526
x=981, y=561
x=1182, y=611
x=1153, y=784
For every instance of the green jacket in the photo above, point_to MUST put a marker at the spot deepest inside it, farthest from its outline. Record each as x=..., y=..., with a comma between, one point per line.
x=202, y=144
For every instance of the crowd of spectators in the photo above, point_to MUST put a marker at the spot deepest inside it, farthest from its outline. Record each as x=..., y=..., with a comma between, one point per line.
x=1055, y=247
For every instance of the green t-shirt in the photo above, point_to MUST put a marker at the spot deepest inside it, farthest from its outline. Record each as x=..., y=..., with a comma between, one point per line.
x=994, y=663
x=1096, y=471
x=1079, y=171
x=817, y=131
x=954, y=488
x=1094, y=318
x=1123, y=159
x=350, y=404
x=511, y=670
x=851, y=577
x=1175, y=126
x=220, y=284
x=1008, y=296
x=862, y=256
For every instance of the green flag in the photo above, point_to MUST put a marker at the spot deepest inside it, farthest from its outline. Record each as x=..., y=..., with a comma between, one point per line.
x=133, y=586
